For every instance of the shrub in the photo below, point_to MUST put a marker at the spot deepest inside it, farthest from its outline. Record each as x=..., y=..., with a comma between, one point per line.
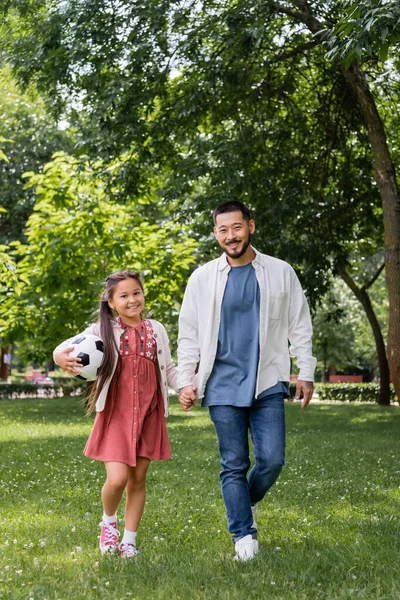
x=68, y=387
x=350, y=392
x=59, y=380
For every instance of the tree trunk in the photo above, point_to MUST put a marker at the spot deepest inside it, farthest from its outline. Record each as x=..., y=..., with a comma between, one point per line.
x=386, y=180
x=4, y=366
x=385, y=177
x=362, y=295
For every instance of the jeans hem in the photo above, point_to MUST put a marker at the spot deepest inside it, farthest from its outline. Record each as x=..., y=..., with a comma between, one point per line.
x=236, y=538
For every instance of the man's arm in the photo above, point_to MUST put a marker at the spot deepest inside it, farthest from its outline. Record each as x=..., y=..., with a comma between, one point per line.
x=188, y=397
x=300, y=338
x=188, y=336
x=307, y=387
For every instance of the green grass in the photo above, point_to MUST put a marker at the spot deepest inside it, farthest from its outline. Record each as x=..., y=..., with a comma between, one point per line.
x=329, y=529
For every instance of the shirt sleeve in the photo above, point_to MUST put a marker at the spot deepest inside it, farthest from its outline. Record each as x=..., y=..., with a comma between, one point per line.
x=188, y=337
x=300, y=331
x=91, y=330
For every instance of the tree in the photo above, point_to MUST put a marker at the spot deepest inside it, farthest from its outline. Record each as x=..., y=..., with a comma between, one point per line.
x=372, y=20
x=361, y=293
x=30, y=136
x=241, y=69
x=334, y=325
x=342, y=336
x=242, y=32
x=76, y=236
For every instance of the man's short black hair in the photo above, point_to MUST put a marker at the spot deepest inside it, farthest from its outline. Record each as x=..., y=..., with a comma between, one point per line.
x=231, y=206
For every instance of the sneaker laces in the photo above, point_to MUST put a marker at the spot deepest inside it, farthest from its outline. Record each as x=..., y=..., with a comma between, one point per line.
x=128, y=550
x=110, y=533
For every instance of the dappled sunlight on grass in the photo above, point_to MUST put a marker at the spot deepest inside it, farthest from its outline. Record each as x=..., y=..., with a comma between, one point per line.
x=328, y=529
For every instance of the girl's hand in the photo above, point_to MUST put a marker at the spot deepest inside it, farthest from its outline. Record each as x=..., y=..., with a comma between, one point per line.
x=188, y=397
x=68, y=363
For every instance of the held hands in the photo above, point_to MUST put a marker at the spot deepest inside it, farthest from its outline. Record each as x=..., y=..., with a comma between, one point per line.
x=307, y=387
x=68, y=363
x=187, y=397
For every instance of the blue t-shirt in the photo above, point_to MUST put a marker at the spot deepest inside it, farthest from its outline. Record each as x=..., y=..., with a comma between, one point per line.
x=233, y=378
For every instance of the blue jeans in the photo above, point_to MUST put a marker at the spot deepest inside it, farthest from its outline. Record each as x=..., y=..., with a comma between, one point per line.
x=267, y=428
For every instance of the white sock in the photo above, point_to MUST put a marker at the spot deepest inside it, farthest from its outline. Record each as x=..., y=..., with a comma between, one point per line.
x=129, y=537
x=107, y=519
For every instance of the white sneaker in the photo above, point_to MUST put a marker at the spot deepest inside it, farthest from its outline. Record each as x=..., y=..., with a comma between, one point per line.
x=246, y=548
x=253, y=512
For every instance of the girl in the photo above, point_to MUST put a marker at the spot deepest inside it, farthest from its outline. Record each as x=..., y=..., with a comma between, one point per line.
x=131, y=399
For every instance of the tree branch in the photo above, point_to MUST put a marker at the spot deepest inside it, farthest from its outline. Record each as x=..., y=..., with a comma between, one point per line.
x=295, y=51
x=347, y=278
x=303, y=15
x=374, y=278
x=279, y=8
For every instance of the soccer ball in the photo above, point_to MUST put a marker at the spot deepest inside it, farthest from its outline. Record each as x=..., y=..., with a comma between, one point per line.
x=89, y=348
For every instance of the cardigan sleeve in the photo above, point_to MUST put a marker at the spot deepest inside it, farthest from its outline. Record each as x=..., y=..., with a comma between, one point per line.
x=171, y=371
x=93, y=329
x=300, y=331
x=188, y=338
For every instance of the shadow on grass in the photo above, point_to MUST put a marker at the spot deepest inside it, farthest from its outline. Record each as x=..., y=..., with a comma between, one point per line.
x=66, y=409
x=345, y=412
x=307, y=568
x=336, y=482
x=329, y=529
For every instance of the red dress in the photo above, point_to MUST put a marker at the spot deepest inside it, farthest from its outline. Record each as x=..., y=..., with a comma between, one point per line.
x=132, y=423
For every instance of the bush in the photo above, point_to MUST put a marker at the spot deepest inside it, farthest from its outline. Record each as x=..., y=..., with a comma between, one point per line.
x=68, y=387
x=350, y=392
x=59, y=380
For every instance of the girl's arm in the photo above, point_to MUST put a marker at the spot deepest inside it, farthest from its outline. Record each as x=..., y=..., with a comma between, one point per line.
x=68, y=363
x=61, y=354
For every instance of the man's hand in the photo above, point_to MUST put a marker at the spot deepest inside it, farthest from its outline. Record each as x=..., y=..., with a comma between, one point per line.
x=187, y=397
x=68, y=363
x=307, y=387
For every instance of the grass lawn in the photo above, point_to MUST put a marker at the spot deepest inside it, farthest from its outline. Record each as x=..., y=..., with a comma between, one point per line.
x=330, y=527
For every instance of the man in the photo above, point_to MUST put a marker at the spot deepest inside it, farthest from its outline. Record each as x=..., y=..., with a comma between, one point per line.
x=242, y=317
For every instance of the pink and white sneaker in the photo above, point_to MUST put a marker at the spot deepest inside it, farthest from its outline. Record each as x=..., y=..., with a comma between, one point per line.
x=128, y=550
x=108, y=538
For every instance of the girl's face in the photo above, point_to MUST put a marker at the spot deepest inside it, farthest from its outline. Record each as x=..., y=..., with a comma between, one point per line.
x=128, y=301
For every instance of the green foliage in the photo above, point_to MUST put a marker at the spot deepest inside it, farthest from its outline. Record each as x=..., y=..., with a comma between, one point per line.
x=8, y=276
x=76, y=235
x=342, y=334
x=3, y=157
x=367, y=27
x=230, y=99
x=350, y=392
x=31, y=138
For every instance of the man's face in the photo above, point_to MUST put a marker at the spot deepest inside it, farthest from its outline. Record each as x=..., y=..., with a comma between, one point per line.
x=233, y=233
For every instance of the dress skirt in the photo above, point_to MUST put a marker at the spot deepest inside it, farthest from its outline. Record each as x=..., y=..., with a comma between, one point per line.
x=132, y=423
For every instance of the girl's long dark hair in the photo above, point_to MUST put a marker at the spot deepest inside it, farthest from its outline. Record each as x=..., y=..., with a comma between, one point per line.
x=107, y=334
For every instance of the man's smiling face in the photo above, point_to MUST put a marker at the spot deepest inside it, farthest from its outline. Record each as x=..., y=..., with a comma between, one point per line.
x=233, y=233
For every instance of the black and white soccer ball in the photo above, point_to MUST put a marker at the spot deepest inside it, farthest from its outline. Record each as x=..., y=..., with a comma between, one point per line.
x=89, y=348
